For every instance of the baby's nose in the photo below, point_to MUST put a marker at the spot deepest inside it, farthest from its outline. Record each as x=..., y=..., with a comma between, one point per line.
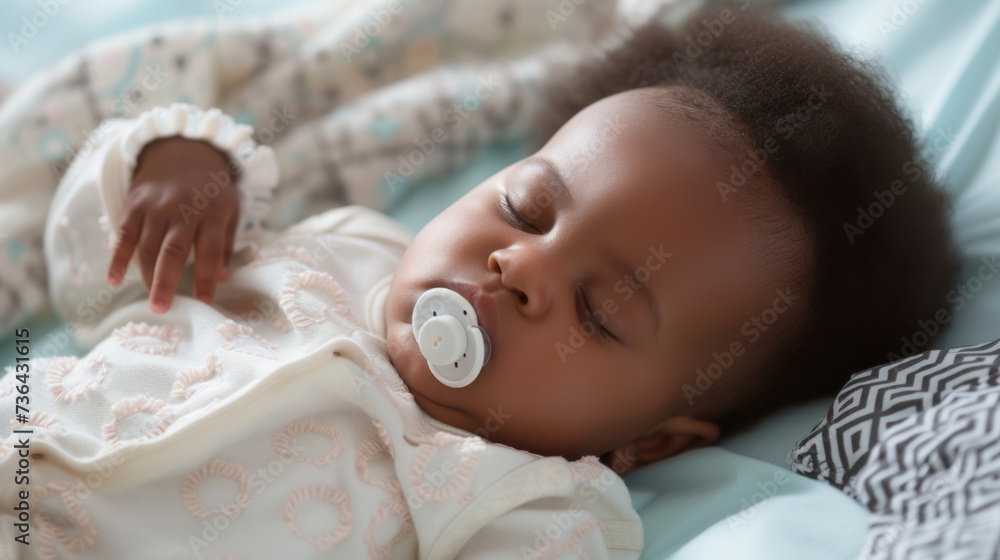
x=529, y=273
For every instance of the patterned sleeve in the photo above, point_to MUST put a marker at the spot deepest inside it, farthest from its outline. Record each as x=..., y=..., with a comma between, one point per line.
x=81, y=228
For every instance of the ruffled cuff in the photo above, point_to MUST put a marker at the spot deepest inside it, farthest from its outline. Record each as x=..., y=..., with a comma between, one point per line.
x=256, y=164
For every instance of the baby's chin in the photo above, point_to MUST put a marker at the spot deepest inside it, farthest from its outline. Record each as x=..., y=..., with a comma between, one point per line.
x=428, y=393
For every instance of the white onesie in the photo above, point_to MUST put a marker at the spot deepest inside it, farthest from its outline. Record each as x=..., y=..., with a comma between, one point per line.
x=269, y=424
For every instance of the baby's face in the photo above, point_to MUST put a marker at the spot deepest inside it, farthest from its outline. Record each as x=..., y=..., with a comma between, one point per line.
x=618, y=214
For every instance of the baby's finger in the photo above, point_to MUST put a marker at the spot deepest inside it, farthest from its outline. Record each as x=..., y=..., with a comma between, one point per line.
x=208, y=253
x=153, y=230
x=128, y=236
x=169, y=267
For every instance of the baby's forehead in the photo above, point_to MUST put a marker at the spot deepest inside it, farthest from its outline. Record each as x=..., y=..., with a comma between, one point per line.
x=645, y=145
x=661, y=128
x=661, y=166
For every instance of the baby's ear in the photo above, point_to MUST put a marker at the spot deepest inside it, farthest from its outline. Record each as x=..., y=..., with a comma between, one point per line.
x=668, y=438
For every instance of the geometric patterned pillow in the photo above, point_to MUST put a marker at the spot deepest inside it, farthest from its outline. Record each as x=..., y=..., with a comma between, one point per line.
x=917, y=442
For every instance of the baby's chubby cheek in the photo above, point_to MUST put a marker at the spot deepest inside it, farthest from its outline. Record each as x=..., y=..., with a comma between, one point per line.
x=404, y=354
x=405, y=357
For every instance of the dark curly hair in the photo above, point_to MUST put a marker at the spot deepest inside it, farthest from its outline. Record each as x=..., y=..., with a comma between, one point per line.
x=835, y=142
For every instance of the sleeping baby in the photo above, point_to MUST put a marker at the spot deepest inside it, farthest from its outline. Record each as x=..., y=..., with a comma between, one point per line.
x=683, y=252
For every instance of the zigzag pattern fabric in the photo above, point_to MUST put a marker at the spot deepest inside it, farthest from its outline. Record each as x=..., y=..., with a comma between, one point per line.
x=917, y=442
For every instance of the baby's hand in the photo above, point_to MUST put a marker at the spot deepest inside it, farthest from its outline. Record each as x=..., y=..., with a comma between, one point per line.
x=161, y=219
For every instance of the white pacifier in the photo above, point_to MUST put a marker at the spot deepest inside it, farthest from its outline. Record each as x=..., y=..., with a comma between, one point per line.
x=449, y=336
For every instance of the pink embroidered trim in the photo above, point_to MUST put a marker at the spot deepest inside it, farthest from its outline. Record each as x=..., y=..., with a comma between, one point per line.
x=586, y=469
x=285, y=253
x=184, y=385
x=366, y=450
x=396, y=505
x=468, y=450
x=335, y=496
x=40, y=420
x=67, y=492
x=383, y=436
x=312, y=280
x=138, y=405
x=282, y=438
x=46, y=550
x=169, y=338
x=217, y=467
x=571, y=543
x=231, y=330
x=56, y=373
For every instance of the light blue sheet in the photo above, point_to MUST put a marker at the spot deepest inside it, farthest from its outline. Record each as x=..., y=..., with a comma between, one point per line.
x=705, y=504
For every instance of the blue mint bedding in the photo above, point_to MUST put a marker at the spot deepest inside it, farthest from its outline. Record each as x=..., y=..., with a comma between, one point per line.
x=736, y=500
